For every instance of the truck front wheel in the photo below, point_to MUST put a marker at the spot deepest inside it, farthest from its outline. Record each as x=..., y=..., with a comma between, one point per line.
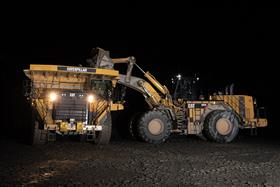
x=36, y=132
x=104, y=136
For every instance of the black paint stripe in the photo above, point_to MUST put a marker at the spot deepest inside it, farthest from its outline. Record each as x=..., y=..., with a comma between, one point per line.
x=242, y=106
x=64, y=68
x=91, y=70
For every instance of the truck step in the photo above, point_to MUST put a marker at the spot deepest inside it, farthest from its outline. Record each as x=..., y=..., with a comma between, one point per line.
x=90, y=137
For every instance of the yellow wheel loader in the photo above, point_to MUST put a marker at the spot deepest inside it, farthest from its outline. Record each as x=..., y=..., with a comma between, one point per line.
x=78, y=100
x=218, y=119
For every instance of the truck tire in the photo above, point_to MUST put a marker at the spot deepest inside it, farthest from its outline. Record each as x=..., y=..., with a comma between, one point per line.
x=133, y=132
x=221, y=126
x=104, y=136
x=154, y=127
x=36, y=134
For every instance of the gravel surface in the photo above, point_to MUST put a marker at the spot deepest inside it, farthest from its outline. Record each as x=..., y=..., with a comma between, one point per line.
x=182, y=161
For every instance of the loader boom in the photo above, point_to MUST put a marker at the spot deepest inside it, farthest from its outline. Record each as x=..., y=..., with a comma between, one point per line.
x=153, y=98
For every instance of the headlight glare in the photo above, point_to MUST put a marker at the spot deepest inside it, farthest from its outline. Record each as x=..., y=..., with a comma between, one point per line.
x=90, y=98
x=53, y=96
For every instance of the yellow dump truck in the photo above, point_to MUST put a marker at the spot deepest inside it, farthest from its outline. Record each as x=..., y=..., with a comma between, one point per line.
x=70, y=100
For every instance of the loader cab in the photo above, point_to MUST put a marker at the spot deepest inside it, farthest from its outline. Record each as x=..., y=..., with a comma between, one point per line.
x=186, y=88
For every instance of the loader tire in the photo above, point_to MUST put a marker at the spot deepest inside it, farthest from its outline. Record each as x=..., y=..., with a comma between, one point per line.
x=154, y=127
x=221, y=126
x=104, y=136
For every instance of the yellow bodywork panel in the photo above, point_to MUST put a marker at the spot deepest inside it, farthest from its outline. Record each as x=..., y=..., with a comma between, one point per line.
x=101, y=105
x=79, y=128
x=261, y=122
x=152, y=92
x=153, y=80
x=63, y=127
x=41, y=107
x=116, y=106
x=37, y=67
x=232, y=100
x=67, y=77
x=194, y=117
x=74, y=69
x=249, y=104
x=242, y=104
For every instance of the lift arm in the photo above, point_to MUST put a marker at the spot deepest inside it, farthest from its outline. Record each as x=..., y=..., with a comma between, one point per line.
x=152, y=97
x=131, y=61
x=145, y=88
x=148, y=90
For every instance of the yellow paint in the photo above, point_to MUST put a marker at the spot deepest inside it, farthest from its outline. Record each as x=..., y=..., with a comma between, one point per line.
x=249, y=107
x=114, y=83
x=63, y=127
x=153, y=80
x=79, y=128
x=53, y=68
x=116, y=106
x=234, y=102
x=152, y=92
x=261, y=122
x=101, y=116
x=108, y=72
x=38, y=67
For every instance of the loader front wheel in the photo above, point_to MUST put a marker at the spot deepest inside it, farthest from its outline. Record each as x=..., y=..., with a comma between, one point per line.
x=104, y=136
x=221, y=126
x=154, y=127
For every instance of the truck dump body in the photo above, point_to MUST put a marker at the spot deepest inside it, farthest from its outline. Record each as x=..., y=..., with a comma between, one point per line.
x=66, y=77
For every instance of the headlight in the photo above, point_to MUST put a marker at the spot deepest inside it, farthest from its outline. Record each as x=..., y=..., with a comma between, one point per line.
x=53, y=96
x=179, y=76
x=90, y=98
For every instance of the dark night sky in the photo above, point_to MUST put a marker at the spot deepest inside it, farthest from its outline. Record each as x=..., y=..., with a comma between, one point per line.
x=232, y=42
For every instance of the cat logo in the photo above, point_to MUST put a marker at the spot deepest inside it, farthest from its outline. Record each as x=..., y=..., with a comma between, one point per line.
x=191, y=105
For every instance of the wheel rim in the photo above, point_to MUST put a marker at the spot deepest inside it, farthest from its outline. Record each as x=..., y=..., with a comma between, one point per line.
x=155, y=126
x=224, y=126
